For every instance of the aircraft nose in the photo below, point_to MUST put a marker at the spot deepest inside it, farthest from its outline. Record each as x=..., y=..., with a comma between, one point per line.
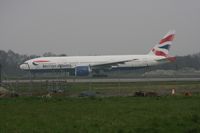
x=24, y=66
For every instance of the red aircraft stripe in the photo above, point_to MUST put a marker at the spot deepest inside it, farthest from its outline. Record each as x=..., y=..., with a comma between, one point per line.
x=166, y=39
x=160, y=53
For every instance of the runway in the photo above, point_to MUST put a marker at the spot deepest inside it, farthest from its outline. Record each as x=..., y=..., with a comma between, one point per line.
x=102, y=80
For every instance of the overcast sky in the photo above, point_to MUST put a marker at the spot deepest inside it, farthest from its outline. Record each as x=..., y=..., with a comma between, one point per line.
x=97, y=27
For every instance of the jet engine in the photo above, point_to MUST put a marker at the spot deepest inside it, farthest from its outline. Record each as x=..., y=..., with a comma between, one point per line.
x=82, y=70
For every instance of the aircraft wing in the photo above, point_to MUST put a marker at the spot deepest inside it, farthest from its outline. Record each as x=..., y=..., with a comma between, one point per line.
x=111, y=63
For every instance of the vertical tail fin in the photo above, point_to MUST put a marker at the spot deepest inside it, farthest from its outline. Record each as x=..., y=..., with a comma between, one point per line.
x=163, y=47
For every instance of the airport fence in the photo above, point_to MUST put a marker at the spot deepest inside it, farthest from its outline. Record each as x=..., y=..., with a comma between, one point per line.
x=103, y=89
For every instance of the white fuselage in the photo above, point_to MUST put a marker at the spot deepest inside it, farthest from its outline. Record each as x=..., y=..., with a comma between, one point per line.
x=70, y=62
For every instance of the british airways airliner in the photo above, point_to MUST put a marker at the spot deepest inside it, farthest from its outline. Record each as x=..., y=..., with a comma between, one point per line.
x=84, y=65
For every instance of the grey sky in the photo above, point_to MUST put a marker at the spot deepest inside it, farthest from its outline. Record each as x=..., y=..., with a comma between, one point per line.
x=96, y=27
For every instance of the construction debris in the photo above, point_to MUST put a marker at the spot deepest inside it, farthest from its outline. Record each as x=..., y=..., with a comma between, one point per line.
x=145, y=94
x=188, y=94
x=139, y=94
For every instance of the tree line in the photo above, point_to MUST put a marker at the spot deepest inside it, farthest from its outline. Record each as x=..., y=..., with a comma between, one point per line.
x=182, y=62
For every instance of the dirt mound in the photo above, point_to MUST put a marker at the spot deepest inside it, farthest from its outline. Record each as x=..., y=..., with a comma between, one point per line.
x=4, y=92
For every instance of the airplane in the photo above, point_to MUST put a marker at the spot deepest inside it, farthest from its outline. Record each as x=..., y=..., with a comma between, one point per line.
x=85, y=65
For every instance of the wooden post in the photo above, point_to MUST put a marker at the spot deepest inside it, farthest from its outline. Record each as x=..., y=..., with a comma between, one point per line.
x=173, y=92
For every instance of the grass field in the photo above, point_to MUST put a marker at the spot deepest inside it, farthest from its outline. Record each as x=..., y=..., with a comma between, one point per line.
x=113, y=110
x=165, y=114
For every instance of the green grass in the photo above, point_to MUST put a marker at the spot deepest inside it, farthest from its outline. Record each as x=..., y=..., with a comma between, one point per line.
x=101, y=115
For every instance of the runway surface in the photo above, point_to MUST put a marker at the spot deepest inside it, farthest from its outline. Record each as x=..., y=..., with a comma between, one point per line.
x=102, y=80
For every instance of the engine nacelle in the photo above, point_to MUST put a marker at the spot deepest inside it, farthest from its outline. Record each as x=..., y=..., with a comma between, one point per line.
x=82, y=70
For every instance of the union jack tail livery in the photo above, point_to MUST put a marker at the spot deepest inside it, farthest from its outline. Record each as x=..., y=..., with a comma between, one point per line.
x=163, y=47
